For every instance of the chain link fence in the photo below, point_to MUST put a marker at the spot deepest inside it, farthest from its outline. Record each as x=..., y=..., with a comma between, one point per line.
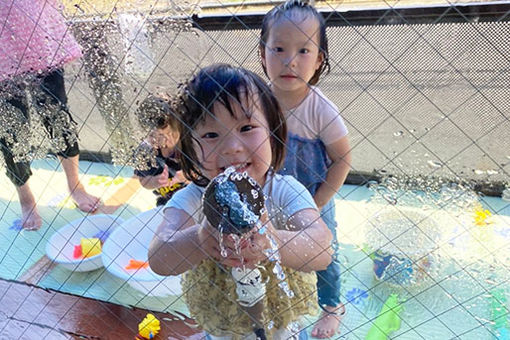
x=423, y=91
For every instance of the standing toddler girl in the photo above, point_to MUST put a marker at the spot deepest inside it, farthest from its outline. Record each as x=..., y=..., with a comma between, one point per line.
x=294, y=53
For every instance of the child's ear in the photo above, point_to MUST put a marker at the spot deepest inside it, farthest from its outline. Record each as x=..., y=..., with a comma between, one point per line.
x=320, y=60
x=262, y=54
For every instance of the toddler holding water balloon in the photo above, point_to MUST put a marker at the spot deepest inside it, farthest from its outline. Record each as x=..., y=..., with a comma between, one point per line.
x=162, y=173
x=230, y=120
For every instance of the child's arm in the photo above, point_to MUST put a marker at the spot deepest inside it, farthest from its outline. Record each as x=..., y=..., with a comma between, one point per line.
x=180, y=243
x=340, y=154
x=305, y=244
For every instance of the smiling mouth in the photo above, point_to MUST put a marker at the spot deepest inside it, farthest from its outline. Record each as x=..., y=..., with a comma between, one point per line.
x=238, y=167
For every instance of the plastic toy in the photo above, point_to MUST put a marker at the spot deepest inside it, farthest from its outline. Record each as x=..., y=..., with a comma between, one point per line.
x=102, y=235
x=149, y=327
x=136, y=264
x=400, y=271
x=409, y=259
x=482, y=217
x=500, y=314
x=77, y=253
x=387, y=321
x=90, y=247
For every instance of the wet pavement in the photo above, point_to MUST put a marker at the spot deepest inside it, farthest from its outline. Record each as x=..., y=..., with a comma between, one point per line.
x=29, y=312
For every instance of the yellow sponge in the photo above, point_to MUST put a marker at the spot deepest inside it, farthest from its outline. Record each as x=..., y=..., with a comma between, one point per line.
x=90, y=247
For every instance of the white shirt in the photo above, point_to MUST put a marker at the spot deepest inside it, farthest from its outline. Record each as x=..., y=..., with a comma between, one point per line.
x=285, y=197
x=316, y=118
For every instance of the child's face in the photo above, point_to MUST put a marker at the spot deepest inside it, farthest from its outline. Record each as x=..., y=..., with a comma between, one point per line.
x=164, y=138
x=291, y=55
x=237, y=141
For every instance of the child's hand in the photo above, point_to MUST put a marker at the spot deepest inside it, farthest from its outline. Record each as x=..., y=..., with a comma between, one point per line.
x=155, y=182
x=252, y=249
x=162, y=178
x=179, y=177
x=260, y=243
x=209, y=239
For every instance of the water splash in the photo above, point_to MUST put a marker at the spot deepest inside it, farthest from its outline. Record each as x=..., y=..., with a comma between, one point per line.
x=434, y=164
x=273, y=255
x=239, y=211
x=242, y=216
x=46, y=124
x=411, y=253
x=139, y=57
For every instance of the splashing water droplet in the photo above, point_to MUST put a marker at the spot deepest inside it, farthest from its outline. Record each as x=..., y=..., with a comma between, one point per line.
x=273, y=255
x=434, y=164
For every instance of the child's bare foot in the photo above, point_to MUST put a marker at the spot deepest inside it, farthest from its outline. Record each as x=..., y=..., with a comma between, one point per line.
x=30, y=220
x=329, y=322
x=85, y=201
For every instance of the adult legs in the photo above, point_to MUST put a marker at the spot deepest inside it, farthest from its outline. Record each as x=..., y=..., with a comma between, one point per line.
x=53, y=99
x=19, y=172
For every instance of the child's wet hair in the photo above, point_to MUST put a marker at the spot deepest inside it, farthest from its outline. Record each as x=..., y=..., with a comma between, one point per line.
x=225, y=84
x=288, y=10
x=155, y=112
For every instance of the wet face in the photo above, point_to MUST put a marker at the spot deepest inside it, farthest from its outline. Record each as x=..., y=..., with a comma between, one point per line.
x=241, y=140
x=291, y=55
x=164, y=138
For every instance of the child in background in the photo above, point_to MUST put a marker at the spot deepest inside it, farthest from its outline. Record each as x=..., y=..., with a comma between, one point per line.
x=164, y=175
x=229, y=117
x=294, y=53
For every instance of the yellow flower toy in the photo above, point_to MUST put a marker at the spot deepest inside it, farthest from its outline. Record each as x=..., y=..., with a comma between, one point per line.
x=149, y=327
x=481, y=217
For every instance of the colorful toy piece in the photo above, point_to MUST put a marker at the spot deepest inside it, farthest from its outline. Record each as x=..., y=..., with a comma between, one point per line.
x=482, y=217
x=90, y=247
x=135, y=264
x=102, y=235
x=500, y=314
x=149, y=327
x=77, y=253
x=387, y=321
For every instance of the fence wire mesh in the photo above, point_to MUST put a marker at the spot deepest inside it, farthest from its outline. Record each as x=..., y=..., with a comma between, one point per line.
x=423, y=217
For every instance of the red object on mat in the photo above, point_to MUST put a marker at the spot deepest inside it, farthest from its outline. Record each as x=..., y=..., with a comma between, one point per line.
x=77, y=254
